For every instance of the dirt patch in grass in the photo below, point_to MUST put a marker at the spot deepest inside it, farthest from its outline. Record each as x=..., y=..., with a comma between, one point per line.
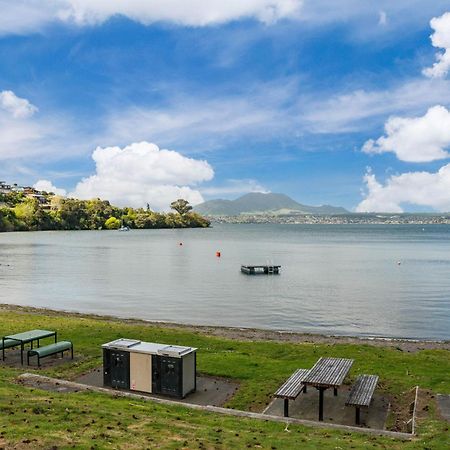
x=402, y=411
x=249, y=334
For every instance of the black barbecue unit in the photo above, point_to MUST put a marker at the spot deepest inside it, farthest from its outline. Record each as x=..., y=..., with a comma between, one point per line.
x=149, y=367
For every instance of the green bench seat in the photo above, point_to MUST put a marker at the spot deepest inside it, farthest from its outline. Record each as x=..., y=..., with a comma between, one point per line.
x=48, y=350
x=8, y=343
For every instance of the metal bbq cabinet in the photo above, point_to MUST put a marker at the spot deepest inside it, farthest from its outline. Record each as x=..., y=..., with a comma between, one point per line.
x=150, y=367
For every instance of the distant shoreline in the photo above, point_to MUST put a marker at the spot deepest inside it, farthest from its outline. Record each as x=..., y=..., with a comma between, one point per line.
x=340, y=219
x=249, y=334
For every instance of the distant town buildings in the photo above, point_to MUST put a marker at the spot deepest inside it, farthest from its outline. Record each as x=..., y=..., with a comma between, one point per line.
x=340, y=219
x=27, y=191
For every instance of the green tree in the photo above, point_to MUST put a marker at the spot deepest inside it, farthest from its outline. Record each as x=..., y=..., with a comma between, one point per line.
x=97, y=212
x=12, y=198
x=174, y=220
x=181, y=206
x=195, y=220
x=18, y=212
x=73, y=214
x=26, y=214
x=8, y=220
x=112, y=223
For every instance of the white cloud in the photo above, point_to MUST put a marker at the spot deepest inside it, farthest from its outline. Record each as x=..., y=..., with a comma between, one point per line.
x=47, y=186
x=382, y=18
x=25, y=135
x=440, y=39
x=25, y=16
x=141, y=173
x=185, y=12
x=19, y=131
x=277, y=110
x=19, y=108
x=424, y=189
x=417, y=139
x=361, y=109
x=22, y=16
x=205, y=121
x=233, y=186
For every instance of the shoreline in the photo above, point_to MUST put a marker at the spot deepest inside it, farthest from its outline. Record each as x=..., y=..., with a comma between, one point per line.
x=248, y=334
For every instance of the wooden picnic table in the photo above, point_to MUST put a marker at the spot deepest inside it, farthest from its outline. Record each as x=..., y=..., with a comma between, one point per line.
x=327, y=373
x=26, y=337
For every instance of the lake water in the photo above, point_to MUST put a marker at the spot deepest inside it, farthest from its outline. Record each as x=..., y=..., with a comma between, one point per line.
x=335, y=279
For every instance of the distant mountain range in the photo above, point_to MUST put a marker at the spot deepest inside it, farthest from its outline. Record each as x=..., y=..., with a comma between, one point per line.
x=259, y=203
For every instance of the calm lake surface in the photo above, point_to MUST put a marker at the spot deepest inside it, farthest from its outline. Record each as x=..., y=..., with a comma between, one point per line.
x=336, y=279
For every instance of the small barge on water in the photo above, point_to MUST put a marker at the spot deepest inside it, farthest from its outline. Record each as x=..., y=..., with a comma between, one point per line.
x=261, y=270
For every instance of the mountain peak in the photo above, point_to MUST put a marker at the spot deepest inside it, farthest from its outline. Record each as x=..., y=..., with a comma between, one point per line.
x=261, y=203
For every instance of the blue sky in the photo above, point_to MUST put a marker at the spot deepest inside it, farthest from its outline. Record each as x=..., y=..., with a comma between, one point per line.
x=342, y=103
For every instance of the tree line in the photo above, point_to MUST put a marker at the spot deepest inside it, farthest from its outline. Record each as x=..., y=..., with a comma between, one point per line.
x=21, y=213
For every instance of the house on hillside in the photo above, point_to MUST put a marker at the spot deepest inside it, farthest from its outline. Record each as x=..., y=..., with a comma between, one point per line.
x=5, y=188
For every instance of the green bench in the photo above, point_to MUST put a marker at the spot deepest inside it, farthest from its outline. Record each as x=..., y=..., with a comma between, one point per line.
x=8, y=343
x=48, y=350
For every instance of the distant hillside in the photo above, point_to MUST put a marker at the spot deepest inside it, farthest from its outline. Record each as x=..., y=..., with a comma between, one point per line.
x=259, y=203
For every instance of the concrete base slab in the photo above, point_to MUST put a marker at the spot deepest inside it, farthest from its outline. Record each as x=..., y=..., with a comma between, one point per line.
x=306, y=406
x=210, y=390
x=443, y=402
x=12, y=359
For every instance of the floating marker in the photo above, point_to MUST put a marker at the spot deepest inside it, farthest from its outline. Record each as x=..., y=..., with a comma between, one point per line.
x=218, y=254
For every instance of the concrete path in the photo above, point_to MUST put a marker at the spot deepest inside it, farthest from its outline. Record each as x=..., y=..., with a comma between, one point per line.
x=210, y=390
x=444, y=405
x=31, y=379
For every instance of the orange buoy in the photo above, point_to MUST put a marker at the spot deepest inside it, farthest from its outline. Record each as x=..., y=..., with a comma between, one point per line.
x=218, y=254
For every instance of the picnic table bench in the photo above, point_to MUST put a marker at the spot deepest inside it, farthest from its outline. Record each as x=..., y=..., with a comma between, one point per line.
x=52, y=349
x=361, y=394
x=25, y=338
x=8, y=343
x=291, y=388
x=327, y=373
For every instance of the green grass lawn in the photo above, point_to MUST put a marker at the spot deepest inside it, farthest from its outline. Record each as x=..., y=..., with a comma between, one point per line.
x=31, y=418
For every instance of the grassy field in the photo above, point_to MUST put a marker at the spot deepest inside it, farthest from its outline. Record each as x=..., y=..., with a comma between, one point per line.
x=31, y=418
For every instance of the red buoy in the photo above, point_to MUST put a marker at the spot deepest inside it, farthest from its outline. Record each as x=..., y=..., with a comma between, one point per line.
x=218, y=254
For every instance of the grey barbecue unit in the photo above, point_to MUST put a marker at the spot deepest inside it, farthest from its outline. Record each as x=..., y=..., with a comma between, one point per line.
x=149, y=367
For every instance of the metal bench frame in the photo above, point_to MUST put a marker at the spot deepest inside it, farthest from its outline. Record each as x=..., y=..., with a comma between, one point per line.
x=361, y=394
x=35, y=352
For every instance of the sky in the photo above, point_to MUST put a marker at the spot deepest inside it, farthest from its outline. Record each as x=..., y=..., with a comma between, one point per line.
x=145, y=101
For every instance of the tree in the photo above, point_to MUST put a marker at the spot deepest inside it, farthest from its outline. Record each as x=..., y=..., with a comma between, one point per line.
x=98, y=211
x=181, y=206
x=112, y=224
x=73, y=214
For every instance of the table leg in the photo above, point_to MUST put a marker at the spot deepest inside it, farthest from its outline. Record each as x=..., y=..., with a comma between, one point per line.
x=56, y=338
x=357, y=416
x=321, y=390
x=3, y=348
x=286, y=407
x=21, y=352
x=39, y=344
x=335, y=392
